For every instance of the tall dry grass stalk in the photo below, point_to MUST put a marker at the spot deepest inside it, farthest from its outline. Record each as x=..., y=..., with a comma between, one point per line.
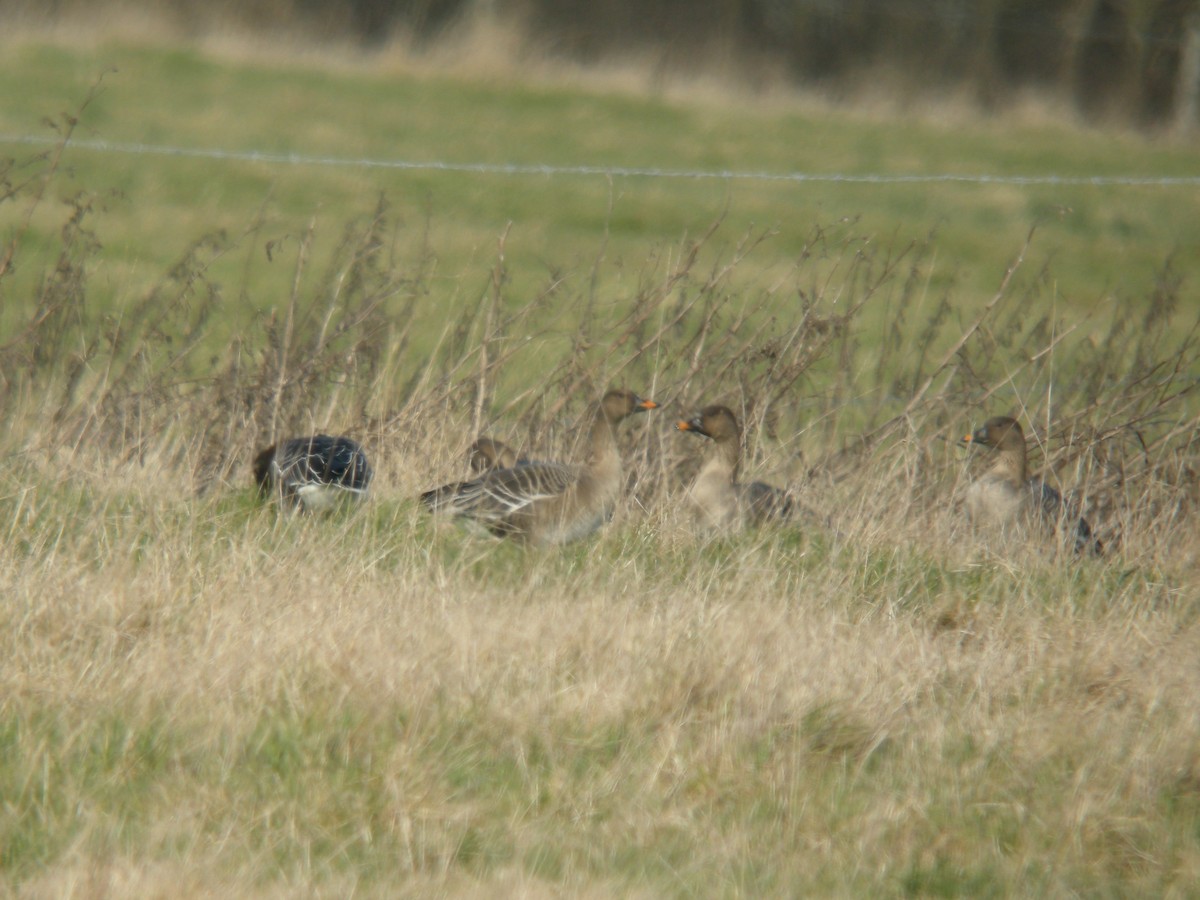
x=202, y=696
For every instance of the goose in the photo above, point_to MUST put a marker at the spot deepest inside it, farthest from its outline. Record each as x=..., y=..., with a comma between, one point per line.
x=488, y=453
x=547, y=502
x=720, y=500
x=1005, y=496
x=314, y=473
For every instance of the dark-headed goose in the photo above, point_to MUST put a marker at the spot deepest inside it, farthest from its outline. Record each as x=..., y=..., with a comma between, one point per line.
x=1005, y=496
x=722, y=501
x=548, y=503
x=314, y=473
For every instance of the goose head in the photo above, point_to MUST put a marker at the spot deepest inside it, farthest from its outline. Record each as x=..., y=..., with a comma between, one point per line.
x=618, y=404
x=262, y=468
x=998, y=433
x=487, y=453
x=715, y=422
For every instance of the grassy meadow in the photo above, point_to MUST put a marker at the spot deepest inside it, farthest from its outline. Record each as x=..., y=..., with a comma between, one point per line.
x=203, y=696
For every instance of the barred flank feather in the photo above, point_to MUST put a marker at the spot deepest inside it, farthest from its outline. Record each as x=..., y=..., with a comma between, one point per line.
x=545, y=502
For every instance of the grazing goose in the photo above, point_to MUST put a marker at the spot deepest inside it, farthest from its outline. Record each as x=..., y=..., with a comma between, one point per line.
x=722, y=501
x=314, y=473
x=1004, y=495
x=548, y=503
x=488, y=453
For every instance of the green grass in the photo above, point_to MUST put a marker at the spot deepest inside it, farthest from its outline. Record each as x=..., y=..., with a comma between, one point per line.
x=1105, y=242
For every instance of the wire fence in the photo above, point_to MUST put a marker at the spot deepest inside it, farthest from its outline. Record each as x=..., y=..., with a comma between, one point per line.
x=559, y=170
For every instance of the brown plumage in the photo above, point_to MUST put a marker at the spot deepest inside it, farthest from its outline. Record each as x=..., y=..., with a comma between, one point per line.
x=720, y=500
x=488, y=453
x=1004, y=497
x=548, y=503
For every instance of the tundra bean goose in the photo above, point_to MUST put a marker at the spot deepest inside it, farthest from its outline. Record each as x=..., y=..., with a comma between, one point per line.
x=720, y=500
x=488, y=453
x=1004, y=497
x=546, y=502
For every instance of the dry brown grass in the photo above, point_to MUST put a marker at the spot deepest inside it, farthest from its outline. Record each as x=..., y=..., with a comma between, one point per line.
x=201, y=696
x=206, y=694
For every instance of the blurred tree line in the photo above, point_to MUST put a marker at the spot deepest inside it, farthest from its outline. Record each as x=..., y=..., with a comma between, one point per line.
x=1112, y=57
x=1126, y=59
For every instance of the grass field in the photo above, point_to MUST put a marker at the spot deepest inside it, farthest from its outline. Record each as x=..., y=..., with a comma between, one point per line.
x=1106, y=242
x=202, y=696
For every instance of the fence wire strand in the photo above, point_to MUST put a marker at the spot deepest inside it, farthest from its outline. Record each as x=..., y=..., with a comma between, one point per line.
x=551, y=169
